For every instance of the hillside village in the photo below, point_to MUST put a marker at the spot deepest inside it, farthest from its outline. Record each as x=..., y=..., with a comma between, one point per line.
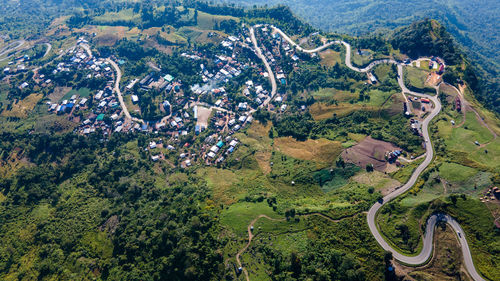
x=207, y=106
x=193, y=141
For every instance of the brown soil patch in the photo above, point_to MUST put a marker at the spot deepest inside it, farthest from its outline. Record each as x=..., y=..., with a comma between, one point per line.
x=369, y=151
x=107, y=39
x=320, y=150
x=58, y=93
x=434, y=79
x=203, y=115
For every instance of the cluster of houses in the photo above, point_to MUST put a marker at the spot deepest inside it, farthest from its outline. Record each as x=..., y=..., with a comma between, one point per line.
x=217, y=149
x=437, y=64
x=95, y=107
x=101, y=110
x=156, y=80
x=67, y=106
x=392, y=156
x=17, y=65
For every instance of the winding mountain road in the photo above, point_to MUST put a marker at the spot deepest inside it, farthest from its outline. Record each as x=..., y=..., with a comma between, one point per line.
x=272, y=79
x=47, y=51
x=128, y=117
x=426, y=252
x=7, y=49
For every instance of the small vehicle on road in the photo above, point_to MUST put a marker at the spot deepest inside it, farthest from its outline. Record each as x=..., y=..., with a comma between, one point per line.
x=459, y=235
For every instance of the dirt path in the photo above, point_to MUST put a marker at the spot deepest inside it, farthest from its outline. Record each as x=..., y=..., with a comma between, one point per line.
x=251, y=235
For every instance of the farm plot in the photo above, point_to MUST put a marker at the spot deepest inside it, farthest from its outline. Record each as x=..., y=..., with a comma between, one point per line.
x=370, y=151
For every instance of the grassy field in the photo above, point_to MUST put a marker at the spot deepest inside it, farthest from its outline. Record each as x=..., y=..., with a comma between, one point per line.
x=320, y=150
x=404, y=174
x=378, y=180
x=361, y=60
x=416, y=77
x=329, y=94
x=237, y=216
x=330, y=57
x=460, y=141
x=123, y=15
x=207, y=21
x=455, y=172
x=81, y=93
x=382, y=71
x=23, y=107
x=321, y=111
x=221, y=183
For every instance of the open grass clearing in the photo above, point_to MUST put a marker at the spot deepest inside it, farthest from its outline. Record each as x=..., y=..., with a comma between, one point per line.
x=416, y=77
x=237, y=216
x=463, y=138
x=491, y=158
x=330, y=57
x=455, y=172
x=382, y=71
x=81, y=93
x=404, y=173
x=361, y=59
x=378, y=180
x=207, y=21
x=121, y=16
x=330, y=94
x=320, y=150
x=21, y=108
x=221, y=181
x=321, y=111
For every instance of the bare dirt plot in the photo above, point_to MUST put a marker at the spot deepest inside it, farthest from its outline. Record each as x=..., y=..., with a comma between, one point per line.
x=369, y=151
x=107, y=39
x=320, y=150
x=203, y=115
x=434, y=79
x=58, y=93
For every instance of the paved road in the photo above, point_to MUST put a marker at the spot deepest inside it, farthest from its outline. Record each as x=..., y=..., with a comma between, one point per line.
x=117, y=87
x=49, y=47
x=272, y=79
x=291, y=42
x=426, y=252
x=8, y=48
